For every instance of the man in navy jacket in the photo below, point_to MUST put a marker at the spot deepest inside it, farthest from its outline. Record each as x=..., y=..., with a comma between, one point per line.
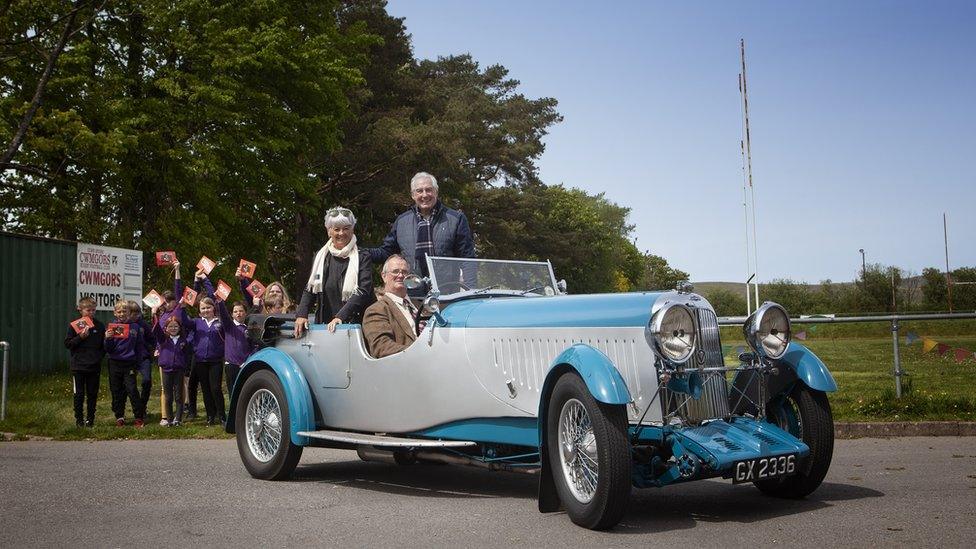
x=427, y=228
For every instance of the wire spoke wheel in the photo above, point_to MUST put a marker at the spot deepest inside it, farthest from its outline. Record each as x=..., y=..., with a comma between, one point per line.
x=588, y=454
x=578, y=455
x=804, y=413
x=263, y=425
x=263, y=428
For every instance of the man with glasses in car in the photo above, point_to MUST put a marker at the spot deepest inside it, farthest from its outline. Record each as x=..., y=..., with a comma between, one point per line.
x=389, y=325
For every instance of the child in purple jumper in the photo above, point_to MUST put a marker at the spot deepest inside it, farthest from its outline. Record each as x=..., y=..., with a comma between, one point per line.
x=123, y=363
x=174, y=350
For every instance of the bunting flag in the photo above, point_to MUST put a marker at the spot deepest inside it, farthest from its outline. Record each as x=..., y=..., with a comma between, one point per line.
x=942, y=348
x=912, y=337
x=740, y=349
x=961, y=355
x=928, y=344
x=802, y=336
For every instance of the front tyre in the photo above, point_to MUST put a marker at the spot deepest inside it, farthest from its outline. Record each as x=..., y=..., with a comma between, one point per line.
x=804, y=413
x=263, y=428
x=589, y=454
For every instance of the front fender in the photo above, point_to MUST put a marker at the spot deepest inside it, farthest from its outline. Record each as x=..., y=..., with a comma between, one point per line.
x=297, y=393
x=809, y=368
x=605, y=384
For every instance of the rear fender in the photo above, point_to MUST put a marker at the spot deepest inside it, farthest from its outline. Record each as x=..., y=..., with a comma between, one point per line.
x=605, y=384
x=297, y=392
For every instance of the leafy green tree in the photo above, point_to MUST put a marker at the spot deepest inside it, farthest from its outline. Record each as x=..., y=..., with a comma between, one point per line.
x=658, y=275
x=726, y=303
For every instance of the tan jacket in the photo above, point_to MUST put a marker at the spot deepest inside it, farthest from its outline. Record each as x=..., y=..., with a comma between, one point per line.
x=385, y=329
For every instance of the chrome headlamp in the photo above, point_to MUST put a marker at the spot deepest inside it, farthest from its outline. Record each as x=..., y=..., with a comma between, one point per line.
x=671, y=333
x=767, y=330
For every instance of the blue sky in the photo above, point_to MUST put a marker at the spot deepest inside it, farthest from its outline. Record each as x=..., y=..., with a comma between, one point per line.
x=863, y=121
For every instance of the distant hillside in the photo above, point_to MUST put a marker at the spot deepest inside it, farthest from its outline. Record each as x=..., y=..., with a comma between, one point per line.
x=739, y=287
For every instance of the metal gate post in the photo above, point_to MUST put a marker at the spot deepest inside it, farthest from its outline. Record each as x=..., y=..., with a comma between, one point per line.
x=3, y=392
x=898, y=372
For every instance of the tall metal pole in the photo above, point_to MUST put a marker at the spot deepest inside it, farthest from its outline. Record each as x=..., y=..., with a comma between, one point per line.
x=745, y=211
x=945, y=233
x=3, y=390
x=864, y=268
x=752, y=191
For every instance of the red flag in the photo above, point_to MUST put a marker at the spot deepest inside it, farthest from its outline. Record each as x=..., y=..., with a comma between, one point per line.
x=942, y=349
x=961, y=355
x=223, y=290
x=189, y=296
x=165, y=258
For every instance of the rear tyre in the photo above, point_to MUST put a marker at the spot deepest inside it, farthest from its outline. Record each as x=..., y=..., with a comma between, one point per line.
x=589, y=454
x=264, y=428
x=804, y=413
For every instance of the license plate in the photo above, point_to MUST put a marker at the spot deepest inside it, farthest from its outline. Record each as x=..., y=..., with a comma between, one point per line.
x=750, y=470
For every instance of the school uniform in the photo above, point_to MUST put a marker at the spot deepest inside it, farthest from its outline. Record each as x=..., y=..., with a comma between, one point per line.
x=237, y=346
x=208, y=362
x=86, y=367
x=123, y=364
x=145, y=362
x=174, y=357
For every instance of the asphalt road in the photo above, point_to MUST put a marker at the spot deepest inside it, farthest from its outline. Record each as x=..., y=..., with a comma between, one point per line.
x=905, y=491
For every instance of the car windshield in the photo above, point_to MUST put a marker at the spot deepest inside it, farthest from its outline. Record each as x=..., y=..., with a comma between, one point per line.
x=450, y=275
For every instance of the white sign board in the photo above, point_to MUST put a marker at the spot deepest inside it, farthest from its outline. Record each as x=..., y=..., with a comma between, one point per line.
x=108, y=274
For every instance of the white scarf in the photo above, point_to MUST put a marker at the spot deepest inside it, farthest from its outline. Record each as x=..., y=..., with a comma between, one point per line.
x=351, y=281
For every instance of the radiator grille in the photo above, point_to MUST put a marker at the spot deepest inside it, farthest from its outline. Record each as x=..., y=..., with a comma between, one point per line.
x=714, y=401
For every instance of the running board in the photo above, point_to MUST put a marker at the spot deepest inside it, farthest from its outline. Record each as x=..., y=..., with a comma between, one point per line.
x=384, y=440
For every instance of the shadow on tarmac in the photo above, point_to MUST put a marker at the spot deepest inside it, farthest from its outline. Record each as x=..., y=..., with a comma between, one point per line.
x=676, y=507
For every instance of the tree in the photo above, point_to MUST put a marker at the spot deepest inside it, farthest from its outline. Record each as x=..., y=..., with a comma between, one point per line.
x=658, y=275
x=726, y=303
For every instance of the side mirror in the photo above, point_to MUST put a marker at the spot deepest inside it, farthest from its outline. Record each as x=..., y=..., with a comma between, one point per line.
x=561, y=286
x=414, y=282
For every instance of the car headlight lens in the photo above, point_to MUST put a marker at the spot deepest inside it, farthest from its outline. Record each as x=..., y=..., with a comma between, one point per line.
x=768, y=330
x=671, y=332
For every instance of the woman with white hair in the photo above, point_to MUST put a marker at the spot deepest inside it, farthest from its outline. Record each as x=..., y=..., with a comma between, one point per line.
x=341, y=282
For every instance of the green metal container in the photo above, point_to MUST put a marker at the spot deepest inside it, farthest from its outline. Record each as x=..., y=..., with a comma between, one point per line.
x=38, y=298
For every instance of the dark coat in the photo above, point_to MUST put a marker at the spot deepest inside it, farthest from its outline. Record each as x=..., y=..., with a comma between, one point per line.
x=351, y=311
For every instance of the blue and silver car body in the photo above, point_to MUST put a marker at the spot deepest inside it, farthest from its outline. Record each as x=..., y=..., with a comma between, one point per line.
x=483, y=370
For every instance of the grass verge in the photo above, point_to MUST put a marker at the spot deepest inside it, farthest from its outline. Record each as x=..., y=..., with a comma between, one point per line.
x=934, y=388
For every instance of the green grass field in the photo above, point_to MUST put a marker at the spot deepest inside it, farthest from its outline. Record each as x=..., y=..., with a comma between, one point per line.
x=859, y=356
x=42, y=405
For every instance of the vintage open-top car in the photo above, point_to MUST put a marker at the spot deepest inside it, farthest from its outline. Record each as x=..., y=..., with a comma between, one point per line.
x=595, y=393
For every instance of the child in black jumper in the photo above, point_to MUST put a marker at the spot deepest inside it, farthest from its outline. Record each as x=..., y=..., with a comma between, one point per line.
x=86, y=361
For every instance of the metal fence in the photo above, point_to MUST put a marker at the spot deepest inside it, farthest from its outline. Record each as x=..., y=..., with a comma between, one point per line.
x=893, y=319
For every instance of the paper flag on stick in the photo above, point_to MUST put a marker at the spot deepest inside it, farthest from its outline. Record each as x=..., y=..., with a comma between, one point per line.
x=165, y=258
x=961, y=355
x=247, y=268
x=912, y=337
x=942, y=349
x=153, y=300
x=117, y=330
x=206, y=264
x=189, y=296
x=80, y=324
x=802, y=336
x=255, y=288
x=223, y=290
x=928, y=344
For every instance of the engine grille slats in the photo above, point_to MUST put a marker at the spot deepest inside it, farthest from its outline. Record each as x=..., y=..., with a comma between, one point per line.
x=714, y=400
